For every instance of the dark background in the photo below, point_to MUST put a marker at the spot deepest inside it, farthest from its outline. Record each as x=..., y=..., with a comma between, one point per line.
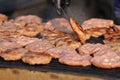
x=79, y=9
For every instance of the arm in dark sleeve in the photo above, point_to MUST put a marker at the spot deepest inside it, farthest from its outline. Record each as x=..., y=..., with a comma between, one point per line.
x=117, y=12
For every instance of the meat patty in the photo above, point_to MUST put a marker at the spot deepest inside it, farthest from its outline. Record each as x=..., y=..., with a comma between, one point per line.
x=29, y=19
x=96, y=32
x=36, y=58
x=75, y=60
x=51, y=33
x=78, y=30
x=106, y=59
x=59, y=24
x=9, y=26
x=23, y=40
x=60, y=39
x=67, y=41
x=24, y=25
x=3, y=18
x=97, y=23
x=31, y=30
x=6, y=46
x=39, y=46
x=89, y=48
x=15, y=54
x=57, y=52
x=9, y=29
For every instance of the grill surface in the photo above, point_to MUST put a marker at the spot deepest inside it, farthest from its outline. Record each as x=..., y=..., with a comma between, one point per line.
x=55, y=66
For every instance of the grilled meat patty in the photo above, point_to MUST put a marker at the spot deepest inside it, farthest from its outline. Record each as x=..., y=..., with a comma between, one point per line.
x=57, y=52
x=23, y=40
x=24, y=25
x=59, y=24
x=29, y=19
x=33, y=58
x=3, y=18
x=15, y=54
x=39, y=46
x=97, y=23
x=89, y=48
x=106, y=59
x=60, y=39
x=75, y=60
x=6, y=46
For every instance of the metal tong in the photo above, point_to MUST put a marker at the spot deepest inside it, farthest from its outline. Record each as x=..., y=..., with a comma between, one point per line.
x=61, y=5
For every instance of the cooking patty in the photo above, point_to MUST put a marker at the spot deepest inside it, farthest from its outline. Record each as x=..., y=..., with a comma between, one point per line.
x=57, y=52
x=106, y=59
x=6, y=46
x=97, y=23
x=23, y=40
x=39, y=46
x=75, y=60
x=15, y=54
x=33, y=58
x=89, y=48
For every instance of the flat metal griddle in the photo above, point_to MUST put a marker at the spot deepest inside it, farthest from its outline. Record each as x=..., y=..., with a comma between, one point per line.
x=55, y=66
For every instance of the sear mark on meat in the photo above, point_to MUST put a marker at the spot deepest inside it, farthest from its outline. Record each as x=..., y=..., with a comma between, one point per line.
x=23, y=40
x=89, y=48
x=57, y=52
x=15, y=54
x=6, y=46
x=39, y=46
x=59, y=24
x=97, y=23
x=29, y=19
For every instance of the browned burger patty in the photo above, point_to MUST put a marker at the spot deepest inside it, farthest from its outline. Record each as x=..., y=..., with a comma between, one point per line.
x=114, y=45
x=23, y=40
x=29, y=19
x=89, y=48
x=57, y=52
x=78, y=30
x=15, y=54
x=36, y=58
x=60, y=39
x=39, y=46
x=106, y=59
x=3, y=17
x=59, y=24
x=9, y=29
x=75, y=60
x=97, y=23
x=67, y=41
x=6, y=46
x=31, y=30
x=96, y=32
x=24, y=25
